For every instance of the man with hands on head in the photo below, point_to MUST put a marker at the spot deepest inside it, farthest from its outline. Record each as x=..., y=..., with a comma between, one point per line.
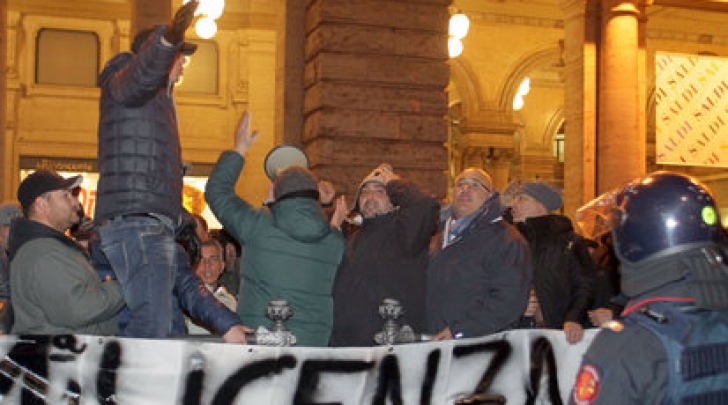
x=386, y=257
x=291, y=251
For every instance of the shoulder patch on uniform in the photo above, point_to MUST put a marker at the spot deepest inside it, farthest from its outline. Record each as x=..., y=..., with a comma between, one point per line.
x=588, y=383
x=614, y=326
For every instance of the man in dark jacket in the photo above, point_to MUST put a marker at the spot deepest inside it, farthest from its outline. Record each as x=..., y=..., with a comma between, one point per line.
x=561, y=291
x=291, y=251
x=480, y=269
x=139, y=196
x=385, y=258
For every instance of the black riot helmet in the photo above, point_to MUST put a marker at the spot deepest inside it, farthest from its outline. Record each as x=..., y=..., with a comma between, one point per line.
x=668, y=238
x=663, y=214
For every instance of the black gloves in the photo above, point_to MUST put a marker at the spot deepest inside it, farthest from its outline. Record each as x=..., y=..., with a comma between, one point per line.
x=175, y=32
x=186, y=235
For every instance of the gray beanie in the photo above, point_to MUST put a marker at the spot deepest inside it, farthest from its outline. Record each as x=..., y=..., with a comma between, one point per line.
x=295, y=181
x=8, y=212
x=547, y=195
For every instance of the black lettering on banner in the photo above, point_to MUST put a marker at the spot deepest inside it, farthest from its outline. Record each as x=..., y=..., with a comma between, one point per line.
x=235, y=382
x=27, y=358
x=428, y=383
x=68, y=343
x=195, y=379
x=108, y=367
x=193, y=388
x=390, y=382
x=8, y=373
x=542, y=352
x=74, y=387
x=502, y=351
x=311, y=371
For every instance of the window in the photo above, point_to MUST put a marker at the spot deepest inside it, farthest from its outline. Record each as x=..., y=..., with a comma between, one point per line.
x=67, y=57
x=200, y=73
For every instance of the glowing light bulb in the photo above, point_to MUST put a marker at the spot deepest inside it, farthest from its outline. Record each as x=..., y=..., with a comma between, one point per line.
x=518, y=102
x=206, y=28
x=459, y=26
x=454, y=47
x=212, y=8
x=525, y=87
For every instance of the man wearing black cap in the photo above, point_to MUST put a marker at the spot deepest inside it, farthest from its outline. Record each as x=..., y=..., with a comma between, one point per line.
x=561, y=291
x=291, y=251
x=139, y=195
x=54, y=288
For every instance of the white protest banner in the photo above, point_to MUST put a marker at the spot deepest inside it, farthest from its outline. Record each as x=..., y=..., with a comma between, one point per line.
x=105, y=370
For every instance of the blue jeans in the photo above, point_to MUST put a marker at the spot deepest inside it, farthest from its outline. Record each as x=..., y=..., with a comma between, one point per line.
x=142, y=253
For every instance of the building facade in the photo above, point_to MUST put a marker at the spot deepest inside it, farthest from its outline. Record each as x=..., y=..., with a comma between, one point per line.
x=360, y=83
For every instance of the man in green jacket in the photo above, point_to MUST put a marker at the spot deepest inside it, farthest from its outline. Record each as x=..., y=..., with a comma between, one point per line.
x=54, y=289
x=291, y=251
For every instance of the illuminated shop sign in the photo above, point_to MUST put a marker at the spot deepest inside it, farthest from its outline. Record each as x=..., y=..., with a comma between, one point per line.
x=194, y=182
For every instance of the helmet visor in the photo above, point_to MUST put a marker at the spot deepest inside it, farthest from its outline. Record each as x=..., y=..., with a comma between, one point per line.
x=600, y=215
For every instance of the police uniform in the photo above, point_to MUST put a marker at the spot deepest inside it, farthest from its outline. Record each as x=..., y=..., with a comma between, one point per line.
x=625, y=365
x=670, y=243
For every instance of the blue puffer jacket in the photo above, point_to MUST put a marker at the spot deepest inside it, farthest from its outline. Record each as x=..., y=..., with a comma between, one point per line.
x=140, y=163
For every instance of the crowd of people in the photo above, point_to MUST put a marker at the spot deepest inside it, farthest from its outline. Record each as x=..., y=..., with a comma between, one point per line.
x=149, y=269
x=462, y=270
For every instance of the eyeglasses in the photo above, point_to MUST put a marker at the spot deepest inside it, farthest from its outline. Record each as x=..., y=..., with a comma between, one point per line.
x=213, y=259
x=462, y=184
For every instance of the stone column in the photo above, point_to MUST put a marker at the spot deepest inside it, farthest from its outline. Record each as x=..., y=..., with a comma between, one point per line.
x=146, y=13
x=621, y=120
x=500, y=168
x=375, y=79
x=581, y=23
x=5, y=160
x=290, y=63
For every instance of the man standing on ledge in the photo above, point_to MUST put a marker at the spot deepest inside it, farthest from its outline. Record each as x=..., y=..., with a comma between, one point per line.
x=139, y=196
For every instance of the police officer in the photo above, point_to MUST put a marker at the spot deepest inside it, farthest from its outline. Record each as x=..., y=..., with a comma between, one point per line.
x=672, y=346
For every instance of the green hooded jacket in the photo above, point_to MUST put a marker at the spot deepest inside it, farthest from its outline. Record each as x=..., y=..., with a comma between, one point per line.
x=291, y=253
